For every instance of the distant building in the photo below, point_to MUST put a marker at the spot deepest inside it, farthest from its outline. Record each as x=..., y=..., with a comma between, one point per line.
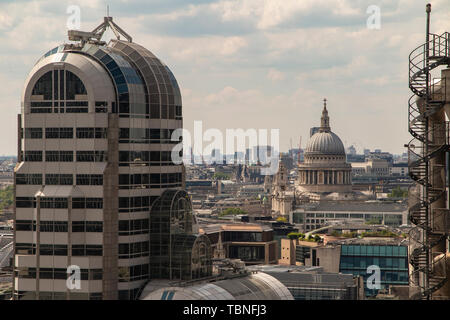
x=313, y=131
x=240, y=284
x=315, y=215
x=399, y=169
x=251, y=243
x=372, y=167
x=325, y=169
x=353, y=256
x=312, y=283
x=351, y=150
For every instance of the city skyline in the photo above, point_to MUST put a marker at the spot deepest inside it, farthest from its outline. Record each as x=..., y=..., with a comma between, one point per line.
x=244, y=65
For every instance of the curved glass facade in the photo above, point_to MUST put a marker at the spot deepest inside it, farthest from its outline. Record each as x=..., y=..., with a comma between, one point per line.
x=175, y=252
x=164, y=97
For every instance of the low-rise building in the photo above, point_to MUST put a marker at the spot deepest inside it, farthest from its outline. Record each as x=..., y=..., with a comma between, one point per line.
x=312, y=283
x=356, y=256
x=312, y=216
x=251, y=243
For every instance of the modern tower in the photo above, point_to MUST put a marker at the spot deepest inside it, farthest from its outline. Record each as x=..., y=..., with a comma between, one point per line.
x=94, y=154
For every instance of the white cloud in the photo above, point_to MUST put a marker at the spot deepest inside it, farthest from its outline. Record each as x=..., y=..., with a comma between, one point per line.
x=275, y=75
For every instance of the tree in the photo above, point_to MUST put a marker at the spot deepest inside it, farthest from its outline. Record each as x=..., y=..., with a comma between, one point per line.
x=293, y=235
x=281, y=219
x=221, y=176
x=398, y=192
x=6, y=197
x=232, y=211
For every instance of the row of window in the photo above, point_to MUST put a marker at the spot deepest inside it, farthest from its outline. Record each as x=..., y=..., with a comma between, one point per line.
x=352, y=263
x=153, y=111
x=132, y=204
x=133, y=250
x=59, y=203
x=58, y=273
x=59, y=179
x=126, y=135
x=66, y=133
x=132, y=227
x=133, y=273
x=71, y=107
x=60, y=249
x=59, y=226
x=143, y=135
x=66, y=156
x=127, y=158
x=146, y=180
x=53, y=295
x=126, y=250
x=374, y=250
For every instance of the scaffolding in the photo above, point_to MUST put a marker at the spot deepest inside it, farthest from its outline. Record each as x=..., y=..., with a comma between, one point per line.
x=428, y=210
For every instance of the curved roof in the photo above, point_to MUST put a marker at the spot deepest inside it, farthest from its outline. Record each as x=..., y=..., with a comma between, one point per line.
x=258, y=286
x=327, y=143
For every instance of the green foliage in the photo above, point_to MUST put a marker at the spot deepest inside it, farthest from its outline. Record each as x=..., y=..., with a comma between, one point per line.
x=6, y=197
x=352, y=234
x=302, y=237
x=398, y=193
x=373, y=221
x=293, y=235
x=281, y=219
x=382, y=233
x=221, y=176
x=232, y=211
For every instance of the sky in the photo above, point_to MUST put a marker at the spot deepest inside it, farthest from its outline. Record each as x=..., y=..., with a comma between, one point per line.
x=261, y=64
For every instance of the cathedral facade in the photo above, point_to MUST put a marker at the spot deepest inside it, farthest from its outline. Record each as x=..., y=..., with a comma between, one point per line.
x=324, y=174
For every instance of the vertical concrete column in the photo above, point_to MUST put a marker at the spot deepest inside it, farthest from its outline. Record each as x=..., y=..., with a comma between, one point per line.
x=111, y=213
x=438, y=135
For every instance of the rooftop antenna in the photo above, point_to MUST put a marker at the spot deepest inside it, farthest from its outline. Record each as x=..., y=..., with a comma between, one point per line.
x=96, y=34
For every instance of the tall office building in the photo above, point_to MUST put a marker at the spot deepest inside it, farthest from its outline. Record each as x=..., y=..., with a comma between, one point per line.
x=94, y=154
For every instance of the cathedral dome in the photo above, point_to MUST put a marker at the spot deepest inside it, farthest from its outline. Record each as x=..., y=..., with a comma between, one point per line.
x=325, y=143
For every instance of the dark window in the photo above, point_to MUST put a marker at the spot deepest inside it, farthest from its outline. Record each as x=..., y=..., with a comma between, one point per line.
x=30, y=179
x=91, y=156
x=90, y=179
x=53, y=203
x=44, y=86
x=59, y=156
x=25, y=202
x=58, y=179
x=58, y=133
x=74, y=86
x=25, y=225
x=33, y=155
x=33, y=133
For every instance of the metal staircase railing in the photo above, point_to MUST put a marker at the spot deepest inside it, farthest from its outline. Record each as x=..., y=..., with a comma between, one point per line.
x=429, y=141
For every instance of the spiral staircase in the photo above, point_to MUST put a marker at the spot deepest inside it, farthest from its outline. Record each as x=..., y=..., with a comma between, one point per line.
x=430, y=141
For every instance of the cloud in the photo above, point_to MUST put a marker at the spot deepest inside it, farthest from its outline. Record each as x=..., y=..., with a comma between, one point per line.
x=275, y=75
x=265, y=63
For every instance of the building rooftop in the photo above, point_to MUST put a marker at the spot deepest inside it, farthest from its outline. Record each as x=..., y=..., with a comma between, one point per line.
x=357, y=206
x=372, y=241
x=234, y=227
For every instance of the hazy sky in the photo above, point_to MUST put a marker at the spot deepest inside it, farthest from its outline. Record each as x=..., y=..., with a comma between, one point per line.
x=249, y=63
